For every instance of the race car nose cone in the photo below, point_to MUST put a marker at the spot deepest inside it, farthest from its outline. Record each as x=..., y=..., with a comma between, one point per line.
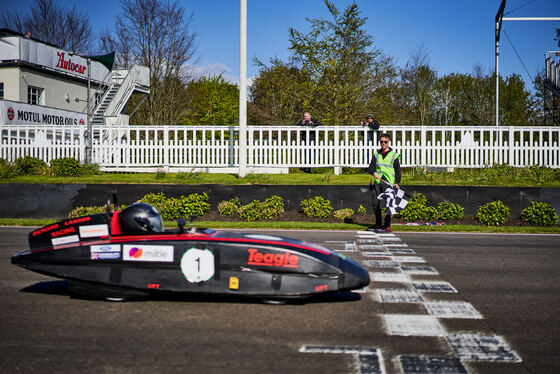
x=355, y=275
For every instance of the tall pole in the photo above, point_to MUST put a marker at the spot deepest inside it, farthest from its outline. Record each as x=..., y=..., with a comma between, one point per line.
x=497, y=75
x=243, y=89
x=498, y=19
x=89, y=147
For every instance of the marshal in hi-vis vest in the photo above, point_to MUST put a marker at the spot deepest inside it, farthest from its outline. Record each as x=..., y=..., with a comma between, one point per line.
x=385, y=165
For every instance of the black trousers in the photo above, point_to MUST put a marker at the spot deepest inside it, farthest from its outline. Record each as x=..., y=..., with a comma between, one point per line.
x=378, y=189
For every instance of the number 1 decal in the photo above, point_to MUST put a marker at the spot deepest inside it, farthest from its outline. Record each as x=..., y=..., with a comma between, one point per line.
x=197, y=265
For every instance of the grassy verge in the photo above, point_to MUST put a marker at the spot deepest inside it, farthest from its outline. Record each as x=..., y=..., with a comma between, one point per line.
x=494, y=176
x=324, y=226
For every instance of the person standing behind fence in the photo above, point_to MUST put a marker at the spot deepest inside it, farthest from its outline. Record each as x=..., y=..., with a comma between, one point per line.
x=384, y=166
x=309, y=121
x=372, y=129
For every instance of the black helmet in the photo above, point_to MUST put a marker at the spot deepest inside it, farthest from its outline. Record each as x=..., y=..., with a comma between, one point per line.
x=139, y=218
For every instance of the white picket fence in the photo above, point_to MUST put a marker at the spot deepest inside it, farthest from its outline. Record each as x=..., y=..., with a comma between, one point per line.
x=277, y=148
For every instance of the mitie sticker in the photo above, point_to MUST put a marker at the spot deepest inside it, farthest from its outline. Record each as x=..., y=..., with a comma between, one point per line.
x=285, y=260
x=152, y=253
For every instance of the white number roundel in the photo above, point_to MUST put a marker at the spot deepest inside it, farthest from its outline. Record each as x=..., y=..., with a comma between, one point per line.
x=197, y=265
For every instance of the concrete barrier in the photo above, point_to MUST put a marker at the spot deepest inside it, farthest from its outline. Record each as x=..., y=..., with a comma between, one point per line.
x=21, y=200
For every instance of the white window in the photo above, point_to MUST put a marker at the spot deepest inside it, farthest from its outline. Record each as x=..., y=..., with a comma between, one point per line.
x=1, y=90
x=34, y=95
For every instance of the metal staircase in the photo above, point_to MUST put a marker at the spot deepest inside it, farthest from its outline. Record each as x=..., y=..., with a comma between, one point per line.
x=114, y=99
x=552, y=80
x=552, y=84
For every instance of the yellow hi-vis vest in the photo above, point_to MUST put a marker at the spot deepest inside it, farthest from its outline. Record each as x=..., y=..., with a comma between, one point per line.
x=385, y=165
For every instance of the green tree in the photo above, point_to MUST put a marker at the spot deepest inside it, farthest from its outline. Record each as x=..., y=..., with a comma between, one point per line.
x=278, y=94
x=211, y=101
x=343, y=67
x=516, y=104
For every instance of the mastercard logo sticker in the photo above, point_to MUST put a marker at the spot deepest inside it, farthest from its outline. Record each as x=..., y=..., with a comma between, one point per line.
x=135, y=252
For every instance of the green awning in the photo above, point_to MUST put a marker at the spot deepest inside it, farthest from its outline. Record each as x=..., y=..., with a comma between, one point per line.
x=107, y=60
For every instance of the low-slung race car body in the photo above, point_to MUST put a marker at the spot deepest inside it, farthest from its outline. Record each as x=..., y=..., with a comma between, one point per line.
x=127, y=254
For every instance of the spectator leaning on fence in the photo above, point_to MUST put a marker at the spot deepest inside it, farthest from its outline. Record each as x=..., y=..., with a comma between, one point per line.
x=309, y=121
x=386, y=170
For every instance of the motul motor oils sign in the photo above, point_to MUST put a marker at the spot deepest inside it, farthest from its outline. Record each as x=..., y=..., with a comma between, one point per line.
x=14, y=113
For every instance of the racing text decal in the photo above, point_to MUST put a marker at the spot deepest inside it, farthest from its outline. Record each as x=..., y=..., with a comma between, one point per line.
x=285, y=260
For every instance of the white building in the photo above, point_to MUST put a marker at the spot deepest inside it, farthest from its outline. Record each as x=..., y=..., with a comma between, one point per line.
x=41, y=84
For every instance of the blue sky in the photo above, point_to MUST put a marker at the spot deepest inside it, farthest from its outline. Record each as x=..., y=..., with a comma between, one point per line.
x=457, y=34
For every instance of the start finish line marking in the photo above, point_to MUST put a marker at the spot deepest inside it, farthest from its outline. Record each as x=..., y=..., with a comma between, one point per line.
x=481, y=347
x=419, y=270
x=370, y=360
x=398, y=295
x=434, y=286
x=429, y=365
x=453, y=309
x=413, y=325
x=389, y=277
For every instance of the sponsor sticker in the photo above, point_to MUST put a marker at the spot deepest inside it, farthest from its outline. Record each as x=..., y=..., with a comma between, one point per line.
x=91, y=231
x=285, y=260
x=148, y=253
x=197, y=265
x=105, y=252
x=65, y=239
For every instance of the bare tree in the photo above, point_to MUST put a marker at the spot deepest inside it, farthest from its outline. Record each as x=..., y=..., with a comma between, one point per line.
x=156, y=34
x=48, y=22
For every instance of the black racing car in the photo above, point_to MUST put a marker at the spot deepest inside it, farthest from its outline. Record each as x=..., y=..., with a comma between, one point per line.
x=127, y=254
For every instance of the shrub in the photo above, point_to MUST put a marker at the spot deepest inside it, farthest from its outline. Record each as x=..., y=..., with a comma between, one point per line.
x=182, y=207
x=419, y=198
x=493, y=214
x=65, y=167
x=447, y=210
x=317, y=207
x=86, y=211
x=188, y=176
x=362, y=210
x=185, y=206
x=343, y=214
x=155, y=200
x=273, y=207
x=81, y=211
x=161, y=173
x=8, y=169
x=251, y=211
x=228, y=207
x=416, y=211
x=90, y=169
x=539, y=213
x=30, y=165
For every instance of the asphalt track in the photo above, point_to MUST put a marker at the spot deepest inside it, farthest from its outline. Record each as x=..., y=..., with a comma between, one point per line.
x=512, y=281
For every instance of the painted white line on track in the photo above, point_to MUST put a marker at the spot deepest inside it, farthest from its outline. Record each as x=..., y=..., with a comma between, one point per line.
x=434, y=286
x=399, y=295
x=383, y=264
x=413, y=325
x=419, y=270
x=405, y=251
x=389, y=277
x=481, y=347
x=429, y=365
x=396, y=245
x=377, y=254
x=452, y=309
x=369, y=361
x=408, y=259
